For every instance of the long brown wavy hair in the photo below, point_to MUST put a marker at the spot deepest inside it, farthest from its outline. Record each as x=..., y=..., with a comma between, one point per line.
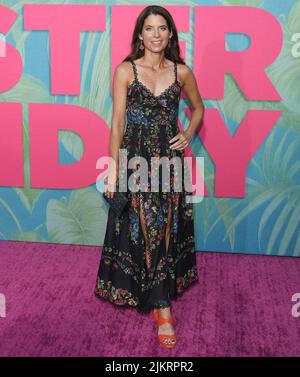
x=172, y=52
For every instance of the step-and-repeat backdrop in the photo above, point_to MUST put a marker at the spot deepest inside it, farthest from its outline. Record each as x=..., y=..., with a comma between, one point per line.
x=57, y=60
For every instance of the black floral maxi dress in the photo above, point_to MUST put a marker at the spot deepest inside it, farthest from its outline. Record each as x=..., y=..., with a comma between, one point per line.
x=124, y=277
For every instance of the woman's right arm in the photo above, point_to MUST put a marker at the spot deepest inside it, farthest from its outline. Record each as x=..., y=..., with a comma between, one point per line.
x=120, y=82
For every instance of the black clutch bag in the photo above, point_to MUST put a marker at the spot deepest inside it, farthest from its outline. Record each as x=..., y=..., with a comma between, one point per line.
x=118, y=202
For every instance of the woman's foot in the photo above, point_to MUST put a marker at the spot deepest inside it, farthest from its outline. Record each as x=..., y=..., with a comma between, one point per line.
x=165, y=329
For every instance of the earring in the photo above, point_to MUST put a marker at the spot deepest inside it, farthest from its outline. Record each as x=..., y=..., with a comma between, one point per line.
x=141, y=47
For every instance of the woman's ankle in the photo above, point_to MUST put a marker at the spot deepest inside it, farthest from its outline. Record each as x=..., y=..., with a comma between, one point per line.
x=165, y=311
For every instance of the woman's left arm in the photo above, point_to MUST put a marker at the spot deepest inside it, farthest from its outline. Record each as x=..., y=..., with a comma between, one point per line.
x=190, y=88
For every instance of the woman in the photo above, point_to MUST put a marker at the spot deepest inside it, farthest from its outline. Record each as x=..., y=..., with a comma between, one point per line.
x=148, y=256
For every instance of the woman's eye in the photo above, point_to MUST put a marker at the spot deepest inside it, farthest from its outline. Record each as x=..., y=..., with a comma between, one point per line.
x=163, y=28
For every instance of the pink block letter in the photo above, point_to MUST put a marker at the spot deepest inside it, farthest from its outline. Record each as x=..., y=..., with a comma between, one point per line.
x=232, y=154
x=45, y=122
x=10, y=60
x=247, y=67
x=64, y=23
x=11, y=145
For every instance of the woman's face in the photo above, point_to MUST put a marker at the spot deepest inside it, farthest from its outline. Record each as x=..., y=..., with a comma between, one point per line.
x=155, y=33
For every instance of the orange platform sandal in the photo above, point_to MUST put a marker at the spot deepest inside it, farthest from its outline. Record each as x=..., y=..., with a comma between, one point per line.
x=166, y=340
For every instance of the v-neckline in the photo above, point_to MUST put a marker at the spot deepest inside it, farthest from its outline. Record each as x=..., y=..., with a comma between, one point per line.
x=150, y=91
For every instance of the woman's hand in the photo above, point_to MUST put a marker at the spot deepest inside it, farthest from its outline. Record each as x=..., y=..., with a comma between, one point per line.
x=182, y=139
x=111, y=180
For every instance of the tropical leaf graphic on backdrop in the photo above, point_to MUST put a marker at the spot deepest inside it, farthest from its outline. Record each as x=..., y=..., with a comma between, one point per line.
x=77, y=220
x=78, y=216
x=279, y=193
x=250, y=3
x=276, y=186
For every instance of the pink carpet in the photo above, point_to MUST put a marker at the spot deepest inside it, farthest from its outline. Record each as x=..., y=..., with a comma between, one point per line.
x=241, y=307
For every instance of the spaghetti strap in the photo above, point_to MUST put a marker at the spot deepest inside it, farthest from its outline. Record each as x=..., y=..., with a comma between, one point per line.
x=175, y=70
x=134, y=70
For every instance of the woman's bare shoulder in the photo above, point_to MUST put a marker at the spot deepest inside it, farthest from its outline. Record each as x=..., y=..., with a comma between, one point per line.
x=124, y=71
x=183, y=71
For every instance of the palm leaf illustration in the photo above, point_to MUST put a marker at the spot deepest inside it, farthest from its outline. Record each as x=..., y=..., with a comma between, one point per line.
x=78, y=220
x=278, y=189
